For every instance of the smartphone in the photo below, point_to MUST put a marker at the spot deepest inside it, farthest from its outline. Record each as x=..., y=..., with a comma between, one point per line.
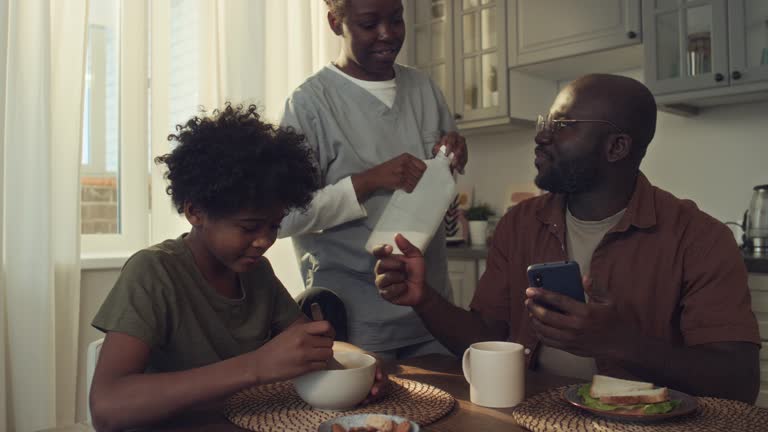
x=562, y=277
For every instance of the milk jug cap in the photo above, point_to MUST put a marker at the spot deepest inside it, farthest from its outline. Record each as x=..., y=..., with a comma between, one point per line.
x=443, y=151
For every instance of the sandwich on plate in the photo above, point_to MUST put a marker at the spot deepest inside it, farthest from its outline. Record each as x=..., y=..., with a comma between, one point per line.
x=626, y=397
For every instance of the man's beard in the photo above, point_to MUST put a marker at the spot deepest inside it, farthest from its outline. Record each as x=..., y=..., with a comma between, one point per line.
x=569, y=176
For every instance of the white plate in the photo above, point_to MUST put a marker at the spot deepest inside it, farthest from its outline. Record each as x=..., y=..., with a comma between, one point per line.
x=358, y=420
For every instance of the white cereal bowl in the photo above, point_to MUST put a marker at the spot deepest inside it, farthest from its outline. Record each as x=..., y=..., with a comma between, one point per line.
x=338, y=390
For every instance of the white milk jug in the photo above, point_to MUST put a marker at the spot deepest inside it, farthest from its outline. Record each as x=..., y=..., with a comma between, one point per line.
x=418, y=214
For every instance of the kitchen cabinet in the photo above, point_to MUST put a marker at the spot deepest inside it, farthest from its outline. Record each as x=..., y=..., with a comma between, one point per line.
x=762, y=397
x=706, y=52
x=758, y=284
x=686, y=45
x=463, y=277
x=430, y=38
x=748, y=41
x=464, y=274
x=480, y=63
x=553, y=37
x=461, y=44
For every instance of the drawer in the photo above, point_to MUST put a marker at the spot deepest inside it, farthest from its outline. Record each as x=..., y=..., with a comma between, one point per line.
x=762, y=324
x=463, y=266
x=758, y=282
x=763, y=373
x=762, y=397
x=759, y=301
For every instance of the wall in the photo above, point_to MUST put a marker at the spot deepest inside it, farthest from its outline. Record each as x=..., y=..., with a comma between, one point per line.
x=94, y=287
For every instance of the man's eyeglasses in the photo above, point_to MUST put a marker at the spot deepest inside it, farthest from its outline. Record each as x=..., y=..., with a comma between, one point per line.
x=551, y=125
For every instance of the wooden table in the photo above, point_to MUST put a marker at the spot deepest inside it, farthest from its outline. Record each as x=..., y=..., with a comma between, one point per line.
x=445, y=373
x=440, y=371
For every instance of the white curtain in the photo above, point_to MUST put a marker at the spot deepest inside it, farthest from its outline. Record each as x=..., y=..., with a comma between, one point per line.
x=262, y=61
x=299, y=43
x=246, y=51
x=261, y=50
x=43, y=47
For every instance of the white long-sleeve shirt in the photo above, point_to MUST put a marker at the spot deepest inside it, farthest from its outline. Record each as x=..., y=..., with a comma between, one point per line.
x=332, y=205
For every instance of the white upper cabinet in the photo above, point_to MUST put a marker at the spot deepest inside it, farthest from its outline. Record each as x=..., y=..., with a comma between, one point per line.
x=430, y=27
x=462, y=44
x=686, y=45
x=480, y=72
x=748, y=41
x=706, y=52
x=545, y=30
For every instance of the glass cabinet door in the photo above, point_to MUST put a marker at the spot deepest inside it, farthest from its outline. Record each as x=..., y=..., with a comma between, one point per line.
x=431, y=30
x=685, y=45
x=481, y=65
x=748, y=39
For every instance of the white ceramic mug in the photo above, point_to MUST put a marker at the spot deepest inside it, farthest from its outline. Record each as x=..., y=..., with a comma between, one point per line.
x=495, y=372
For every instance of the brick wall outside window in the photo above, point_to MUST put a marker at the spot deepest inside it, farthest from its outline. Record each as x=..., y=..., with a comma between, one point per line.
x=99, y=205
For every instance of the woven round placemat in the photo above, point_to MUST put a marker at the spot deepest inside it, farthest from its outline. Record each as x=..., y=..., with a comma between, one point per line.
x=548, y=412
x=277, y=407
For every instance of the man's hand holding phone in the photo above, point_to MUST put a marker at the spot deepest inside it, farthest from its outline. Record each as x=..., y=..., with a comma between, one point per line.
x=594, y=329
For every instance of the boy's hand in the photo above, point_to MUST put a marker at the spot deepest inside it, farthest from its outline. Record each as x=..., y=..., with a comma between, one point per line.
x=299, y=349
x=380, y=386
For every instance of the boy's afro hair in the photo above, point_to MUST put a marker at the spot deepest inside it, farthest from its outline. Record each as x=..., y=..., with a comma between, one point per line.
x=232, y=161
x=337, y=7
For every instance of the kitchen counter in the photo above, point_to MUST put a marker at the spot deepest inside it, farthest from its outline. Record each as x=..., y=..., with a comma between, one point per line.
x=464, y=251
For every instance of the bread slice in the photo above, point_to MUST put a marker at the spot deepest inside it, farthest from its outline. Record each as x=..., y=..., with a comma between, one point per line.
x=381, y=423
x=608, y=386
x=638, y=397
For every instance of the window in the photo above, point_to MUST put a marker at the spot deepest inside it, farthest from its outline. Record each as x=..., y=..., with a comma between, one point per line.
x=151, y=65
x=185, y=54
x=114, y=180
x=177, y=50
x=99, y=176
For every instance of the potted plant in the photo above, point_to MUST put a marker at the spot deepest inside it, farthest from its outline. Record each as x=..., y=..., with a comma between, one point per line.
x=477, y=216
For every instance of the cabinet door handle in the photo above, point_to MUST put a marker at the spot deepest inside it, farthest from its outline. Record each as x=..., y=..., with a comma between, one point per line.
x=736, y=75
x=631, y=34
x=458, y=116
x=719, y=77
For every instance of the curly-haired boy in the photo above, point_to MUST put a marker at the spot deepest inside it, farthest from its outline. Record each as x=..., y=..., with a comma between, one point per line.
x=204, y=313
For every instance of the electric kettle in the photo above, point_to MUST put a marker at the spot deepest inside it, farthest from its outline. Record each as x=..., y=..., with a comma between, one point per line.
x=756, y=222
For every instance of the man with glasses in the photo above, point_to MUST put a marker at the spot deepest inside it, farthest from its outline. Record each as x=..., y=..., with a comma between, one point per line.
x=667, y=297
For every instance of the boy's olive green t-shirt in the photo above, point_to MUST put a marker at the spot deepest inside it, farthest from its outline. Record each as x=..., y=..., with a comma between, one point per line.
x=162, y=298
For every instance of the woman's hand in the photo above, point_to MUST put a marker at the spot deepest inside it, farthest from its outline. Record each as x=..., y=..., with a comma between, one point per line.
x=402, y=172
x=456, y=144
